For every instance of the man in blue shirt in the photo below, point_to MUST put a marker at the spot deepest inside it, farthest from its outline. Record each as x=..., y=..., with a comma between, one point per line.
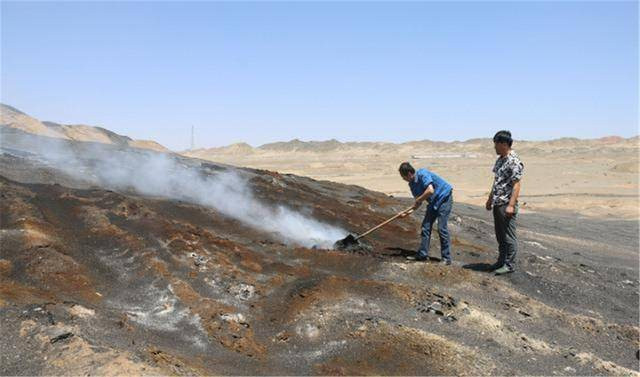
x=428, y=186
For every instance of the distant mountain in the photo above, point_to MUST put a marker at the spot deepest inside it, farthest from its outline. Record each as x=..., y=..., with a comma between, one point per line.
x=471, y=145
x=14, y=118
x=233, y=149
x=296, y=145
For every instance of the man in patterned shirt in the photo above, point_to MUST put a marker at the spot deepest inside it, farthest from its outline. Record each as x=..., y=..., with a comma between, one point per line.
x=503, y=198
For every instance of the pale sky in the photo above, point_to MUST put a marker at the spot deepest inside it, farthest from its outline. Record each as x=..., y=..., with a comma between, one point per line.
x=383, y=71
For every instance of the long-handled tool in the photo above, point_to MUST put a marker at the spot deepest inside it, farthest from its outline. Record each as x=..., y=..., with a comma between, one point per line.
x=352, y=240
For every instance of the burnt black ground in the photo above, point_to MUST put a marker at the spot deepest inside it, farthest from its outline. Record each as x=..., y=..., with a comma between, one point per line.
x=149, y=285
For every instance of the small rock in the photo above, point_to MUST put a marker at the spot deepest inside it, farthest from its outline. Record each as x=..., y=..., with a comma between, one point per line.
x=436, y=308
x=524, y=313
x=450, y=318
x=81, y=312
x=238, y=318
x=570, y=370
x=198, y=261
x=243, y=291
x=308, y=330
x=587, y=268
x=61, y=337
x=282, y=336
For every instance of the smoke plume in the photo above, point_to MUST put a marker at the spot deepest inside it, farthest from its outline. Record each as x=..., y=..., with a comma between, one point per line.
x=170, y=176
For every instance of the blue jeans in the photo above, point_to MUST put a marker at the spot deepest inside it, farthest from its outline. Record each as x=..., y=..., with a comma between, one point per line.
x=442, y=215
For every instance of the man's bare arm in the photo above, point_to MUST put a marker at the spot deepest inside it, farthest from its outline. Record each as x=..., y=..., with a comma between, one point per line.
x=511, y=208
x=515, y=194
x=424, y=196
x=489, y=203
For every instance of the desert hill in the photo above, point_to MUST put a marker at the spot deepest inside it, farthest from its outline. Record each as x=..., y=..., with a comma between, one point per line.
x=14, y=118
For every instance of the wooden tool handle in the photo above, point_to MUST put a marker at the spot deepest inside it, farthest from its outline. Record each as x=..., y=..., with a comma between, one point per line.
x=406, y=211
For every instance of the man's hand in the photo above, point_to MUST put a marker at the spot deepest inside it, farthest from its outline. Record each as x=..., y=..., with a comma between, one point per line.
x=488, y=205
x=406, y=213
x=510, y=210
x=417, y=204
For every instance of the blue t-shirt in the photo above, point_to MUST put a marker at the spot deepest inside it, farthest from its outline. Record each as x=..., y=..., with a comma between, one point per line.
x=422, y=179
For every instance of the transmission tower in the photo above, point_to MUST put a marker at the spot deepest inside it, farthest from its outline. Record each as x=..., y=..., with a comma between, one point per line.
x=192, y=139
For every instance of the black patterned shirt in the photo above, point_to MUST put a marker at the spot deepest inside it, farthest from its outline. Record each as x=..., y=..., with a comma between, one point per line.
x=508, y=170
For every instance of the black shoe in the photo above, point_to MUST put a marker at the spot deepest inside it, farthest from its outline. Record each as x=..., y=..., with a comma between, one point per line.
x=416, y=258
x=445, y=262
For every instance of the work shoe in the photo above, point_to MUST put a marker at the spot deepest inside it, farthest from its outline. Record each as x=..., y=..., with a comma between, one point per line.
x=445, y=262
x=416, y=258
x=503, y=270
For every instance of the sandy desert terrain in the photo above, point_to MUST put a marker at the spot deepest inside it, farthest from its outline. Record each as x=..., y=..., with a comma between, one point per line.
x=597, y=178
x=110, y=276
x=117, y=260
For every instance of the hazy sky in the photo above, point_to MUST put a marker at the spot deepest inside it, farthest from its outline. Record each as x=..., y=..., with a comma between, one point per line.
x=262, y=72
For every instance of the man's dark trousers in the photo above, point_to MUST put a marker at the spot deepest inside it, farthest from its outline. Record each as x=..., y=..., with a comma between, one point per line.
x=506, y=236
x=442, y=215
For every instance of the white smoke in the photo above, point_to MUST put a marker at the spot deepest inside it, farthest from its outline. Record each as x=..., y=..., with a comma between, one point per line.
x=164, y=175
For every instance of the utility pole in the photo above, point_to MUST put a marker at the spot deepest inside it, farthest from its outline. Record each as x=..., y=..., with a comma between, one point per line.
x=192, y=139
